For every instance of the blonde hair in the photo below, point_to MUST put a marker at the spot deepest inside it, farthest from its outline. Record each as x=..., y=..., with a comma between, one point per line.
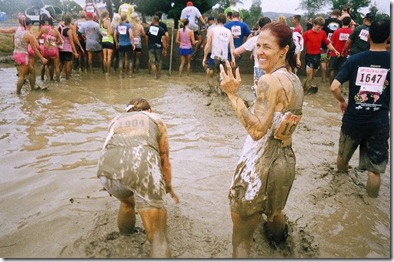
x=282, y=19
x=115, y=20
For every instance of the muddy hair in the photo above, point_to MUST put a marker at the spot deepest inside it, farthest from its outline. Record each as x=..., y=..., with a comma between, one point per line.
x=284, y=36
x=138, y=104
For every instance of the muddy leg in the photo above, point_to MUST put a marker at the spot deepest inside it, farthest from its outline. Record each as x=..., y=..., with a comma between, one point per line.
x=373, y=184
x=155, y=223
x=243, y=230
x=126, y=216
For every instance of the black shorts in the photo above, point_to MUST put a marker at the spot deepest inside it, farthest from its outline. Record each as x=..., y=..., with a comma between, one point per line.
x=336, y=63
x=107, y=45
x=373, y=144
x=312, y=61
x=65, y=56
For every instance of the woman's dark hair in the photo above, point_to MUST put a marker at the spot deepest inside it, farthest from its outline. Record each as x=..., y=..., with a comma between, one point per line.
x=185, y=23
x=138, y=104
x=284, y=35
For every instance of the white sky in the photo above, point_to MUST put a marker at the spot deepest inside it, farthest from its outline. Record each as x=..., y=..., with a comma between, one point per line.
x=290, y=6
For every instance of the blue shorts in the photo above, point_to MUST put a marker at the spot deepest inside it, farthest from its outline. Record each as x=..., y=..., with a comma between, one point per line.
x=185, y=51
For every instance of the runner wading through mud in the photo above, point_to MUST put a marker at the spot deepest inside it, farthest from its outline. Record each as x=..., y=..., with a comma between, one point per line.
x=266, y=169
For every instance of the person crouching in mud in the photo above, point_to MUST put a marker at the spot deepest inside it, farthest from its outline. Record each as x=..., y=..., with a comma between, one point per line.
x=266, y=169
x=135, y=168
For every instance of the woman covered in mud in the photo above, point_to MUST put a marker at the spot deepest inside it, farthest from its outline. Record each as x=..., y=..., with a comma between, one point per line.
x=266, y=169
x=135, y=168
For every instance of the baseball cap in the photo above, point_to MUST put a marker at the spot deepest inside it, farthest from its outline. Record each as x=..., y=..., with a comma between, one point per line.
x=190, y=3
x=369, y=16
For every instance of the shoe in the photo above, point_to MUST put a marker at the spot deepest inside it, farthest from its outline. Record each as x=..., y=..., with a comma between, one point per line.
x=271, y=241
x=312, y=90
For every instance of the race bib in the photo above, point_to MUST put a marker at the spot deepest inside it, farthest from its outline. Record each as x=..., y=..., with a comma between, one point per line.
x=122, y=29
x=236, y=30
x=364, y=33
x=287, y=126
x=104, y=35
x=343, y=37
x=124, y=9
x=371, y=79
x=90, y=9
x=153, y=30
x=134, y=125
x=137, y=41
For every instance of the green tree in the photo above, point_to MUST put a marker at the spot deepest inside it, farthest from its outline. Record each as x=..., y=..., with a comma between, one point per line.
x=255, y=13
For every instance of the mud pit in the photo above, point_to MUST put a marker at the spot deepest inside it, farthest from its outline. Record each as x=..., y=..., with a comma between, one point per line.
x=54, y=206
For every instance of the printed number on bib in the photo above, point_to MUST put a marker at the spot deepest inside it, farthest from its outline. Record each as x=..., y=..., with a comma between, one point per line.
x=287, y=126
x=343, y=37
x=154, y=30
x=371, y=79
x=236, y=30
x=122, y=29
x=364, y=35
x=134, y=125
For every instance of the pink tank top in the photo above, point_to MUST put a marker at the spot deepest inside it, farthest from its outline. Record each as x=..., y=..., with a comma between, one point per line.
x=186, y=43
x=66, y=47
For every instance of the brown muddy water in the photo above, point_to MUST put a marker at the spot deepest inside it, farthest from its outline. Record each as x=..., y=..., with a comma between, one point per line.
x=53, y=206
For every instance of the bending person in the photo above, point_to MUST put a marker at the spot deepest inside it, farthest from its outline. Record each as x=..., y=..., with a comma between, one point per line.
x=266, y=169
x=135, y=168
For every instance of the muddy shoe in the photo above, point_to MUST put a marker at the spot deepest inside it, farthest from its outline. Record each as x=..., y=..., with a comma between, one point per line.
x=271, y=241
x=312, y=90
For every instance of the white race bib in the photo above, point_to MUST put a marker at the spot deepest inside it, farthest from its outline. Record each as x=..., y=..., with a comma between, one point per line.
x=122, y=29
x=371, y=79
x=153, y=30
x=364, y=33
x=343, y=37
x=236, y=30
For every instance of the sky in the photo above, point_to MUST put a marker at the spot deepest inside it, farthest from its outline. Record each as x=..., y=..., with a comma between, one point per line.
x=290, y=6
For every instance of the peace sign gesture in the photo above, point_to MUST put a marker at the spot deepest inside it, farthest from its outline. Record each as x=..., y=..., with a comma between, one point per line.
x=229, y=84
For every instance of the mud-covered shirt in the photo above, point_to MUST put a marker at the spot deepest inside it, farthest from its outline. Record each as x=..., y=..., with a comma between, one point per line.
x=368, y=74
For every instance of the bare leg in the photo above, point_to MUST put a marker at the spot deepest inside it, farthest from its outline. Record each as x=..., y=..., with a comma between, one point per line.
x=126, y=216
x=243, y=230
x=155, y=223
x=373, y=184
x=181, y=65
x=188, y=58
x=22, y=71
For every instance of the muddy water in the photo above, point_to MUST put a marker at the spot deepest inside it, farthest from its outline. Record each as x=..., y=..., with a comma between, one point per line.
x=52, y=204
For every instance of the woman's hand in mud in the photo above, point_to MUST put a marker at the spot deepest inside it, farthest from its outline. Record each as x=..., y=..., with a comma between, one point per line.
x=229, y=84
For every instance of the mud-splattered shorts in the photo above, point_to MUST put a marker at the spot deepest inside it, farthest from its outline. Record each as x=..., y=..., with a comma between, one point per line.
x=373, y=146
x=122, y=192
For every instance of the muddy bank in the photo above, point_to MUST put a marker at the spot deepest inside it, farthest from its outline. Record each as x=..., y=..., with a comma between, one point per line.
x=53, y=205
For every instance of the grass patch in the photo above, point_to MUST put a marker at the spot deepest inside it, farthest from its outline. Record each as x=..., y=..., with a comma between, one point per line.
x=6, y=44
